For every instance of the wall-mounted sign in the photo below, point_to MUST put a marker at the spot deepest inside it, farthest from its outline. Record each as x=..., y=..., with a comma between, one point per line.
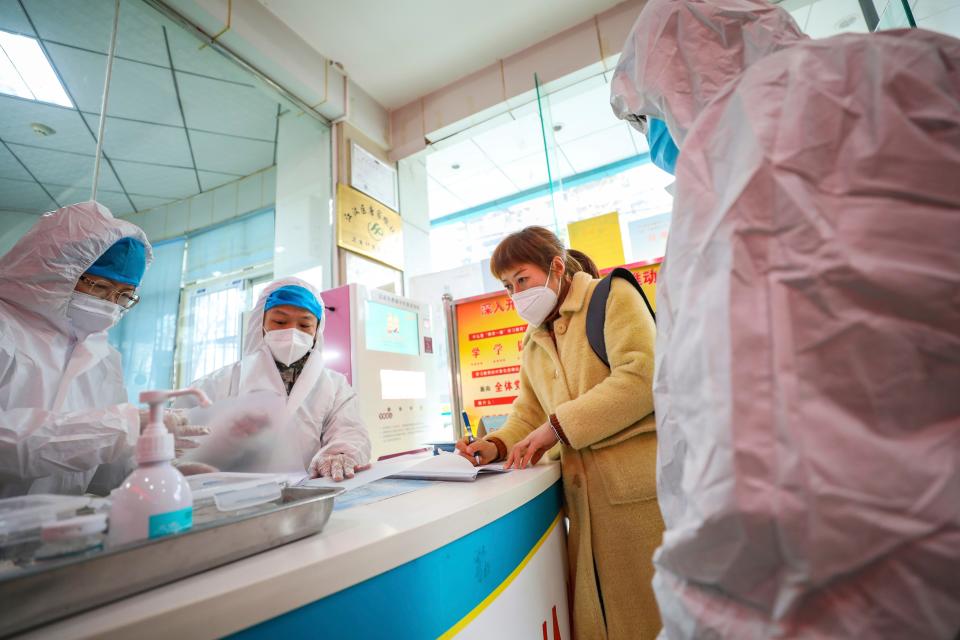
x=367, y=227
x=646, y=275
x=599, y=237
x=490, y=339
x=372, y=176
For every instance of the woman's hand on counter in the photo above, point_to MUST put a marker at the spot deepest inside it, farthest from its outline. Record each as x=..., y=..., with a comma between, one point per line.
x=529, y=450
x=486, y=449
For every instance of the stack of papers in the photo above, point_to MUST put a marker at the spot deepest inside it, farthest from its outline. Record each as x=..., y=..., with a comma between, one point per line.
x=448, y=467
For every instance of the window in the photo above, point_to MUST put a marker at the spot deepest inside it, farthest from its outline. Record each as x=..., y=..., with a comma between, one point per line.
x=212, y=331
x=26, y=72
x=225, y=269
x=635, y=188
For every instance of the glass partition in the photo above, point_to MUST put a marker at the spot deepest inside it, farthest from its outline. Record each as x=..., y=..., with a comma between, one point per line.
x=558, y=158
x=189, y=147
x=894, y=14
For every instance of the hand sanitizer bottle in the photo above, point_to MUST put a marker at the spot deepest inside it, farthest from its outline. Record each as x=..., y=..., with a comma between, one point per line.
x=154, y=500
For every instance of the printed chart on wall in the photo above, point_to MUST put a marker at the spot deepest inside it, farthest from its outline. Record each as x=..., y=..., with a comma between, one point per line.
x=490, y=339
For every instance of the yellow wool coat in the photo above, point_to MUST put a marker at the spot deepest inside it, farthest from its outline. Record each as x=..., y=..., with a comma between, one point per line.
x=609, y=469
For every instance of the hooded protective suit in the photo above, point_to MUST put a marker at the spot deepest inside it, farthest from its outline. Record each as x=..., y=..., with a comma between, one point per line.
x=64, y=410
x=808, y=312
x=322, y=414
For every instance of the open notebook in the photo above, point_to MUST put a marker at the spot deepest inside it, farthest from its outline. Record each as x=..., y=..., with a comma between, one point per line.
x=448, y=466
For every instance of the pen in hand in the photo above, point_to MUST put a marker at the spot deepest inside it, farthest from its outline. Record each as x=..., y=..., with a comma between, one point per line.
x=470, y=438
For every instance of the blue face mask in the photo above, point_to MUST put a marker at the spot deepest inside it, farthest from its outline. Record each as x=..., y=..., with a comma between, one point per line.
x=663, y=151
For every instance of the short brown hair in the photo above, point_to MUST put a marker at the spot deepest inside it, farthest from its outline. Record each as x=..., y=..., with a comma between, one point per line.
x=532, y=245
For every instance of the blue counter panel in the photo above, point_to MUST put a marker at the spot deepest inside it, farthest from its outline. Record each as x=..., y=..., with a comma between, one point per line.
x=425, y=597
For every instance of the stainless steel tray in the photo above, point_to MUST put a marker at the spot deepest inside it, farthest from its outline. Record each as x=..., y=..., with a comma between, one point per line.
x=38, y=594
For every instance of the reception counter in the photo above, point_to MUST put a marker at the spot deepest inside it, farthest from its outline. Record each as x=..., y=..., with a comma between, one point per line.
x=449, y=560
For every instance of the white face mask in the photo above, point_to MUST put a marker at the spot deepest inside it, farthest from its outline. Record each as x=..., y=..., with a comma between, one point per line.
x=89, y=314
x=536, y=303
x=288, y=345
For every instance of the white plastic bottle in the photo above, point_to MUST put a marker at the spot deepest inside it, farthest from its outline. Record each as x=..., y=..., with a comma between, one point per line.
x=155, y=500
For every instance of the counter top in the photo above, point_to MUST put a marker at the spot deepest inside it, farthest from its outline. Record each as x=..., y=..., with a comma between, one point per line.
x=357, y=544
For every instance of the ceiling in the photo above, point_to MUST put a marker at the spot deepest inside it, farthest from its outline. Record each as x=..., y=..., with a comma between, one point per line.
x=399, y=50
x=506, y=155
x=824, y=18
x=182, y=119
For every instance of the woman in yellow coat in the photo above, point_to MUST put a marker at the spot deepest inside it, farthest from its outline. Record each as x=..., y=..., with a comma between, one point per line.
x=604, y=419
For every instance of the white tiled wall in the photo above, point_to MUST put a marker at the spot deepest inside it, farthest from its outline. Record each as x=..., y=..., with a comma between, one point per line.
x=218, y=205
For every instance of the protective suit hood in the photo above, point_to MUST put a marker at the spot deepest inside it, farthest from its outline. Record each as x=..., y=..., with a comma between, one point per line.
x=681, y=53
x=40, y=272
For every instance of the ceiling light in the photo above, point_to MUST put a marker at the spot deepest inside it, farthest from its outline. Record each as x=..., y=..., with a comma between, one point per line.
x=42, y=130
x=26, y=72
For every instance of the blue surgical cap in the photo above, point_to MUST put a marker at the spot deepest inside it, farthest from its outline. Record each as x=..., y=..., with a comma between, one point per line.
x=124, y=262
x=295, y=296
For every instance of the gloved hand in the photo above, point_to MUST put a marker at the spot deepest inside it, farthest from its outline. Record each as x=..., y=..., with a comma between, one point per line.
x=335, y=465
x=249, y=423
x=176, y=422
x=192, y=468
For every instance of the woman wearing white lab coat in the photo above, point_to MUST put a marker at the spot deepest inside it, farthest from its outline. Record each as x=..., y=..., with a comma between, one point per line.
x=63, y=407
x=808, y=325
x=321, y=416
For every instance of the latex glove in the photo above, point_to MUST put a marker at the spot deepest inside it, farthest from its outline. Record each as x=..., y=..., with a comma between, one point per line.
x=191, y=468
x=249, y=423
x=335, y=465
x=529, y=450
x=176, y=422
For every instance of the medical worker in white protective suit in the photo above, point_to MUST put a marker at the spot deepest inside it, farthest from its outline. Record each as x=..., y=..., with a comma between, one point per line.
x=807, y=384
x=283, y=355
x=65, y=423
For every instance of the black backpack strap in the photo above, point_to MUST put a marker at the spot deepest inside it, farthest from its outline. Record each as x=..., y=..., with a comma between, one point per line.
x=597, y=310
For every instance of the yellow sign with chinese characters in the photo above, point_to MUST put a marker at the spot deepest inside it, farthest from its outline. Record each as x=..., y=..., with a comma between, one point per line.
x=599, y=237
x=646, y=275
x=367, y=227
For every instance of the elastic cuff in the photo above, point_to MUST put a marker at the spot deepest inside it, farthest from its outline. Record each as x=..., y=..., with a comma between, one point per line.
x=501, y=447
x=558, y=430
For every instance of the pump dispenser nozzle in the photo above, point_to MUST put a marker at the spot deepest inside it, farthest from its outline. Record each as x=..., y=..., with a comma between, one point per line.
x=155, y=442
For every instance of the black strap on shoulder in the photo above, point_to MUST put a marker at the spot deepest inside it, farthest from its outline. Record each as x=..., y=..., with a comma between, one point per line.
x=597, y=310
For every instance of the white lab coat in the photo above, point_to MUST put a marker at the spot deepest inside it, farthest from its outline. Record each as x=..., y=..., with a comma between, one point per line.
x=808, y=321
x=322, y=412
x=64, y=409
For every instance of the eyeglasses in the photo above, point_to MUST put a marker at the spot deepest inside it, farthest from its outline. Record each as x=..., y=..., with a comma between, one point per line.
x=126, y=299
x=639, y=122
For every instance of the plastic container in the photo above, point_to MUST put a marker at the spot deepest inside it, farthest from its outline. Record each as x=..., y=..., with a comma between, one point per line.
x=155, y=500
x=22, y=519
x=73, y=535
x=222, y=492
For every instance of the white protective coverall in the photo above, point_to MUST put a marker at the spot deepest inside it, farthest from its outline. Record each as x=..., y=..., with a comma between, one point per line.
x=64, y=406
x=807, y=385
x=322, y=414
